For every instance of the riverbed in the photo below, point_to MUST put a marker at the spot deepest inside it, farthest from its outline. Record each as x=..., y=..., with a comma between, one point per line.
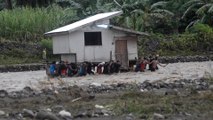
x=14, y=81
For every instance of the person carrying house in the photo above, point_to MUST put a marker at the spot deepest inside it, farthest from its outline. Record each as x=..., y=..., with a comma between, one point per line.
x=117, y=66
x=72, y=69
x=82, y=70
x=89, y=68
x=63, y=68
x=154, y=63
x=52, y=69
x=106, y=68
x=143, y=64
x=137, y=67
x=111, y=67
x=99, y=67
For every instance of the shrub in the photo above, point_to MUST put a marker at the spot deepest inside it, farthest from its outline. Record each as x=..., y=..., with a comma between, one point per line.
x=46, y=43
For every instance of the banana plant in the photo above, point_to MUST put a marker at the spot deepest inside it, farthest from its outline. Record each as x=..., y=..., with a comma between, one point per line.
x=141, y=14
x=202, y=9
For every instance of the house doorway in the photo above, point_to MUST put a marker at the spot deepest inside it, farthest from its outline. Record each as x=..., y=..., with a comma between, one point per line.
x=121, y=52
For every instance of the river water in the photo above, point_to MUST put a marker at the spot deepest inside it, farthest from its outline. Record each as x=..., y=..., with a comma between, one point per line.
x=13, y=81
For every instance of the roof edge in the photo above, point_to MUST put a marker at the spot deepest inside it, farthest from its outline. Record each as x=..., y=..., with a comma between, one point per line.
x=128, y=30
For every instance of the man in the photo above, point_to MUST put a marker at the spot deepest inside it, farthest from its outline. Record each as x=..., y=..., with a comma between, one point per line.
x=154, y=63
x=44, y=54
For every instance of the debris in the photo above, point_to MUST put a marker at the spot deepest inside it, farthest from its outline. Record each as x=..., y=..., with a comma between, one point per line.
x=65, y=114
x=158, y=116
x=99, y=106
x=96, y=84
x=28, y=113
x=2, y=113
x=74, y=100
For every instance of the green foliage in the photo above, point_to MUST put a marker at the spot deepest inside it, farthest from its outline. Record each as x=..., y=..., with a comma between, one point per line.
x=198, y=39
x=201, y=29
x=46, y=43
x=199, y=10
x=27, y=24
x=8, y=60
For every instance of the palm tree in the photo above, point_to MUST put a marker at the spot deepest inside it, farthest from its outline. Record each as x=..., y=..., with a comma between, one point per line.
x=202, y=11
x=141, y=15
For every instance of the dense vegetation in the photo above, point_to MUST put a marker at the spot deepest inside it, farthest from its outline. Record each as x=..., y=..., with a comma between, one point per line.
x=176, y=26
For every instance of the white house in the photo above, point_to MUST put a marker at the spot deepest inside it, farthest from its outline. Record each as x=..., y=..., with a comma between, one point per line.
x=93, y=39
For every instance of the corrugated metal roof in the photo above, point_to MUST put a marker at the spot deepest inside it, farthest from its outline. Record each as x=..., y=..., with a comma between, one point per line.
x=76, y=25
x=128, y=30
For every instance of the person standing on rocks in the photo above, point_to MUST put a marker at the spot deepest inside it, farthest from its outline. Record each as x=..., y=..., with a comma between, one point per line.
x=44, y=54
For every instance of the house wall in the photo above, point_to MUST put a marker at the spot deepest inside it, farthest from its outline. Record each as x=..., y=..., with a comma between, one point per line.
x=98, y=53
x=61, y=44
x=132, y=49
x=74, y=43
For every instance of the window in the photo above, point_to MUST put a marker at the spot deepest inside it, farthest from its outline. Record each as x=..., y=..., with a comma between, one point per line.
x=92, y=38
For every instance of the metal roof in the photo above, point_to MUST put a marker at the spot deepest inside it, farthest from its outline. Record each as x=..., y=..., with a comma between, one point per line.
x=79, y=24
x=128, y=30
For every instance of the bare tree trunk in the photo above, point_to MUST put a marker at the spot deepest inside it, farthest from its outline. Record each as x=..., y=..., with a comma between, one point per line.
x=8, y=4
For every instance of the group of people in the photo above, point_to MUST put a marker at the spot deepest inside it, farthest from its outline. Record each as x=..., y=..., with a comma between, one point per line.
x=152, y=62
x=65, y=69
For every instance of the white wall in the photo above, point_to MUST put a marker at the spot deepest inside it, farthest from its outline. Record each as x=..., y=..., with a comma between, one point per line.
x=132, y=49
x=61, y=44
x=75, y=44
x=101, y=52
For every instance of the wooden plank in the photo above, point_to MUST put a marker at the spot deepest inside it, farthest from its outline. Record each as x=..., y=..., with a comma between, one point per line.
x=121, y=52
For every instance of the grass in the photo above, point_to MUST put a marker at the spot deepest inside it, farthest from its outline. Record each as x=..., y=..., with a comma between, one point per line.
x=7, y=60
x=29, y=24
x=149, y=103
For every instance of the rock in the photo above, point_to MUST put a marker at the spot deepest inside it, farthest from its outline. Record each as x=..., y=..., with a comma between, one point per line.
x=80, y=114
x=158, y=116
x=49, y=110
x=65, y=114
x=87, y=96
x=57, y=108
x=12, y=95
x=43, y=115
x=98, y=111
x=28, y=89
x=28, y=113
x=2, y=113
x=99, y=106
x=171, y=92
x=211, y=87
x=91, y=96
x=3, y=93
x=130, y=117
x=96, y=84
x=105, y=112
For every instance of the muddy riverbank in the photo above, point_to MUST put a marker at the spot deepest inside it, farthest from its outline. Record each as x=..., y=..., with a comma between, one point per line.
x=178, y=91
x=181, y=99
